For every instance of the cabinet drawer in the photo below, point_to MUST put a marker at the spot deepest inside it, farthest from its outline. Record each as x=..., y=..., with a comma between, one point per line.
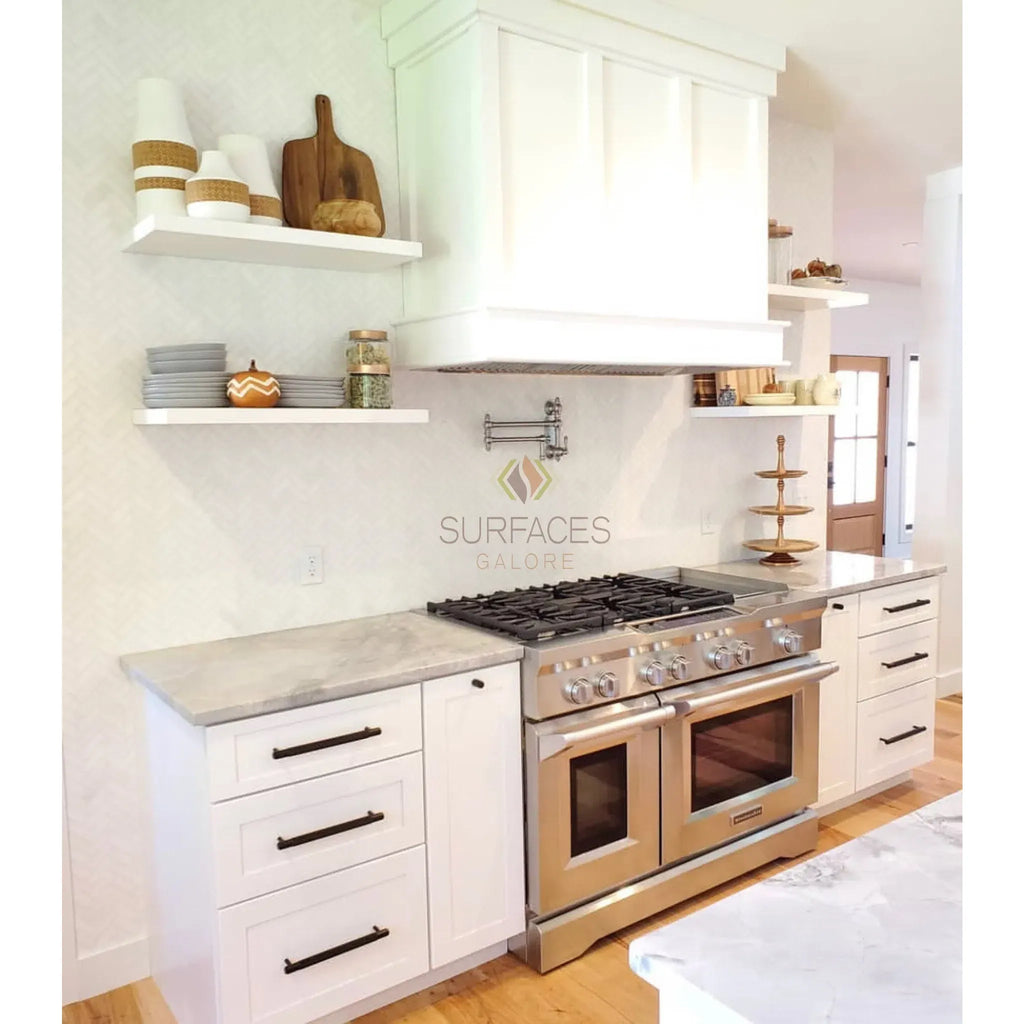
x=889, y=661
x=266, y=841
x=906, y=719
x=341, y=938
x=898, y=605
x=273, y=750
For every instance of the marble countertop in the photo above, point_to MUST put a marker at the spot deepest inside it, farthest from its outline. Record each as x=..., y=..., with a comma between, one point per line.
x=869, y=931
x=832, y=573
x=240, y=677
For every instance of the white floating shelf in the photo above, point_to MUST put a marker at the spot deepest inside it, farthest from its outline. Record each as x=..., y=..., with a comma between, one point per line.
x=793, y=296
x=232, y=415
x=724, y=412
x=261, y=243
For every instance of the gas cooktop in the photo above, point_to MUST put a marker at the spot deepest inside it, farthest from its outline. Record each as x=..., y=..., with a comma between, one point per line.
x=564, y=609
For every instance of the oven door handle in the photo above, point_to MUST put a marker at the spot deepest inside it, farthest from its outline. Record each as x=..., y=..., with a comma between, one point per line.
x=777, y=685
x=554, y=743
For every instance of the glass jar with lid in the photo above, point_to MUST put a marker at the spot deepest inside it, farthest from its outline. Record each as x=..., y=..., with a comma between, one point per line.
x=780, y=252
x=368, y=361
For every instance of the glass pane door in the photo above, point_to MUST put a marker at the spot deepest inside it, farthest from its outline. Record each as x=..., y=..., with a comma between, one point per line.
x=598, y=799
x=741, y=752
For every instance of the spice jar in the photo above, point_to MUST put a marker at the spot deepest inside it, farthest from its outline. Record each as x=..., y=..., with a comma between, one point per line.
x=368, y=357
x=780, y=252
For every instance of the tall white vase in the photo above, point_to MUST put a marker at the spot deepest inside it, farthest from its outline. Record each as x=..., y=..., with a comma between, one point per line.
x=248, y=156
x=163, y=151
x=215, y=191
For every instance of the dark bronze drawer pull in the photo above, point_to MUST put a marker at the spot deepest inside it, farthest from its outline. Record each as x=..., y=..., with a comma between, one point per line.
x=478, y=683
x=839, y=607
x=332, y=830
x=904, y=735
x=334, y=741
x=919, y=603
x=916, y=656
x=328, y=954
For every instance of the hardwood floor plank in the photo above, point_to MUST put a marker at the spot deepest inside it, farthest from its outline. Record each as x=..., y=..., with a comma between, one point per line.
x=598, y=987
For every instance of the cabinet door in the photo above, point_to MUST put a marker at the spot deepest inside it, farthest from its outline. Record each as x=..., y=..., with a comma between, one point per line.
x=472, y=751
x=837, y=721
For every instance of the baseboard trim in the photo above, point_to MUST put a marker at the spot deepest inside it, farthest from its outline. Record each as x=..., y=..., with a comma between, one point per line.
x=111, y=968
x=949, y=683
x=862, y=794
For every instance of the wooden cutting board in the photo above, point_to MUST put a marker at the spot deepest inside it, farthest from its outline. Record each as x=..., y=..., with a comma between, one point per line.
x=323, y=167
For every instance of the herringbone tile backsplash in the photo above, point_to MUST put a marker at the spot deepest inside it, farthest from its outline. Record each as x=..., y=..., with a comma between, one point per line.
x=185, y=534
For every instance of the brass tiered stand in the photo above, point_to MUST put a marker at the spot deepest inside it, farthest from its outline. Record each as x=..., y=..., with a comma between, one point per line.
x=781, y=549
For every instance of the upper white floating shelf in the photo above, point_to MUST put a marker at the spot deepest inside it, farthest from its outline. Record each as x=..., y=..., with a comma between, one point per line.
x=753, y=411
x=182, y=417
x=793, y=296
x=260, y=243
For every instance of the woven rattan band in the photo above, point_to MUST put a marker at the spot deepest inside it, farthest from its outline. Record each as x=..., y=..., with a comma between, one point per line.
x=157, y=153
x=216, y=190
x=265, y=206
x=141, y=184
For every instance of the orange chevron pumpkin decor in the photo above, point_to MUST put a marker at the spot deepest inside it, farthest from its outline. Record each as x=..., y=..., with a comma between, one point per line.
x=254, y=389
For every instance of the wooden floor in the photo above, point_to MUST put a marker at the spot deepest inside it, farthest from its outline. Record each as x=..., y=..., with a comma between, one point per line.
x=599, y=987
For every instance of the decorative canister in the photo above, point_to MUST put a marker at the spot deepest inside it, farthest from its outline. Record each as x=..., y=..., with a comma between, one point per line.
x=780, y=252
x=215, y=191
x=248, y=156
x=727, y=395
x=804, y=390
x=827, y=389
x=163, y=152
x=368, y=358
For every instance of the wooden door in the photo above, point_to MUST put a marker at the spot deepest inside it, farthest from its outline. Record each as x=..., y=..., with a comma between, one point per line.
x=856, y=456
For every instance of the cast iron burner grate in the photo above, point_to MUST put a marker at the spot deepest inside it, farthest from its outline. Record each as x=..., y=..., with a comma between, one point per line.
x=579, y=606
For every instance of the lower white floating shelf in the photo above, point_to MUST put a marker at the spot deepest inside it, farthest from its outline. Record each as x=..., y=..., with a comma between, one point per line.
x=753, y=411
x=180, y=417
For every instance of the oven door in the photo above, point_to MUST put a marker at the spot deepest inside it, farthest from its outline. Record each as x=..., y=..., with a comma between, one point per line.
x=740, y=754
x=591, y=801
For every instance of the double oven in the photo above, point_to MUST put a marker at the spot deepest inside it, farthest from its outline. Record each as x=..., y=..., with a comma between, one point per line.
x=617, y=794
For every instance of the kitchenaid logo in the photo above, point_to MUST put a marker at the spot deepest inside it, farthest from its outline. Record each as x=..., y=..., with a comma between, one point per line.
x=523, y=541
x=524, y=479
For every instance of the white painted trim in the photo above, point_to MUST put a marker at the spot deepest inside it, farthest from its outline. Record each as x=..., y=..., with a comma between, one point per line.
x=944, y=184
x=414, y=985
x=862, y=794
x=949, y=682
x=70, y=987
x=110, y=968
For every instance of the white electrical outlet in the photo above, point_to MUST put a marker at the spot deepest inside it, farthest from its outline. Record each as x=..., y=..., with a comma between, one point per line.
x=709, y=521
x=311, y=569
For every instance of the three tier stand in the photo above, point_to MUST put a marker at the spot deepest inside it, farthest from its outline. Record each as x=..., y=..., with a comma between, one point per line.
x=781, y=549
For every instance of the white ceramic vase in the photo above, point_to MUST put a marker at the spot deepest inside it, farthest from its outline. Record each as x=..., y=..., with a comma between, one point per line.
x=827, y=389
x=163, y=151
x=248, y=156
x=215, y=191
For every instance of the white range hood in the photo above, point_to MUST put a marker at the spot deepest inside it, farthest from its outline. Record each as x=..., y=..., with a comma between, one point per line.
x=589, y=183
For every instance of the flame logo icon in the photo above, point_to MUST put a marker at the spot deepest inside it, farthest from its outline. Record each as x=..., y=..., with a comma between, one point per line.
x=524, y=479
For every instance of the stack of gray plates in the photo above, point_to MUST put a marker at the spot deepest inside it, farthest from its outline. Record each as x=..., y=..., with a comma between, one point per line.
x=186, y=377
x=311, y=392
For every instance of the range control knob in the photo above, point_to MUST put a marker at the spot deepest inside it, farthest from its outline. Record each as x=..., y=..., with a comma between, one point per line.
x=720, y=658
x=654, y=673
x=680, y=667
x=579, y=691
x=743, y=653
x=608, y=685
x=791, y=641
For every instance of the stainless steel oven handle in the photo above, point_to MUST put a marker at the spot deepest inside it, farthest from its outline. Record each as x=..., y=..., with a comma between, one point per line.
x=554, y=743
x=788, y=681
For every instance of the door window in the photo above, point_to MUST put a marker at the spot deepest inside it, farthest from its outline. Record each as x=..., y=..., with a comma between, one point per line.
x=740, y=752
x=598, y=799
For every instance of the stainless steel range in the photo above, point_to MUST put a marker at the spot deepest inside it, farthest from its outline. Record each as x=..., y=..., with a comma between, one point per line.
x=670, y=741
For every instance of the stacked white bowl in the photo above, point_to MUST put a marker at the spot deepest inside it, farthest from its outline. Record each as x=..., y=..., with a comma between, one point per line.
x=186, y=377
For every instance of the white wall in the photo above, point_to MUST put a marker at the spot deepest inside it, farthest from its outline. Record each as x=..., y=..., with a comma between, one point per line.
x=938, y=529
x=889, y=326
x=181, y=535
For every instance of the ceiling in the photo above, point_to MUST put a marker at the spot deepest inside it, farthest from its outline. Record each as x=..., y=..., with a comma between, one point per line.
x=885, y=79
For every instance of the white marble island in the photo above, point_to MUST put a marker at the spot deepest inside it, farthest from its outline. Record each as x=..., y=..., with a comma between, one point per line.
x=867, y=933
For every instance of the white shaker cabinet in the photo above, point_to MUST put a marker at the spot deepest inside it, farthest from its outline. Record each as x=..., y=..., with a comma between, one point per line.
x=837, y=723
x=474, y=809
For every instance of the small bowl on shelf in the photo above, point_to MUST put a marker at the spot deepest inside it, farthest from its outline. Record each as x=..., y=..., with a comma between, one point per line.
x=835, y=283
x=770, y=398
